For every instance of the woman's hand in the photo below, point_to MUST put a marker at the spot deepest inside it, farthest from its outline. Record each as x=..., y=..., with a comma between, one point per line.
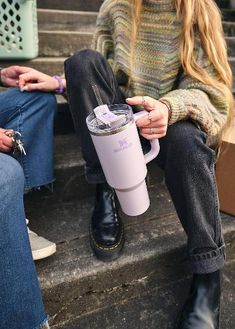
x=35, y=80
x=155, y=124
x=10, y=75
x=5, y=141
x=29, y=79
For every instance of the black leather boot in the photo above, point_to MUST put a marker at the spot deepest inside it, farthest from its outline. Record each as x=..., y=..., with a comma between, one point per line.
x=202, y=308
x=106, y=229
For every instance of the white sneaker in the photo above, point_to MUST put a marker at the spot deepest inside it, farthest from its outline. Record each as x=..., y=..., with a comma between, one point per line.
x=41, y=247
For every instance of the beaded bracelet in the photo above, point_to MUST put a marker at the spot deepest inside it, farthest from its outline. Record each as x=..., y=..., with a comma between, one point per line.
x=60, y=88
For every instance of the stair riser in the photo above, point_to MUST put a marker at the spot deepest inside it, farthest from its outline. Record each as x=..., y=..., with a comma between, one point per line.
x=54, y=66
x=53, y=20
x=94, y=293
x=63, y=44
x=49, y=66
x=93, y=5
x=229, y=28
x=228, y=15
x=231, y=46
x=87, y=294
x=60, y=20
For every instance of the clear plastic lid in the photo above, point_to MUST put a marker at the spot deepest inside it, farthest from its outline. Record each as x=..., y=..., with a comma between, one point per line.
x=123, y=115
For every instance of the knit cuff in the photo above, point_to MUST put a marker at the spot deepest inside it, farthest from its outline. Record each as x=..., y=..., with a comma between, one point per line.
x=178, y=109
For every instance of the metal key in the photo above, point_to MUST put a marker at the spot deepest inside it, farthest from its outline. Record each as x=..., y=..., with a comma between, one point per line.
x=17, y=146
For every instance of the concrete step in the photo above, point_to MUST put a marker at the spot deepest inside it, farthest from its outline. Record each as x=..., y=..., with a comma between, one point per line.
x=92, y=5
x=65, y=20
x=228, y=15
x=54, y=65
x=222, y=3
x=229, y=28
x=231, y=45
x=143, y=305
x=232, y=64
x=77, y=288
x=48, y=65
x=50, y=43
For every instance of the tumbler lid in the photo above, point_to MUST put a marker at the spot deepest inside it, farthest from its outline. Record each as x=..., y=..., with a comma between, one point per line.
x=109, y=119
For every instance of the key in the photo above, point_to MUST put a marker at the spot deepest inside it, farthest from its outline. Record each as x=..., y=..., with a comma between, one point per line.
x=17, y=146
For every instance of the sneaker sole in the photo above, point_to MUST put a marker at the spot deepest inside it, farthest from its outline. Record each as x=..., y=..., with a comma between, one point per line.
x=44, y=253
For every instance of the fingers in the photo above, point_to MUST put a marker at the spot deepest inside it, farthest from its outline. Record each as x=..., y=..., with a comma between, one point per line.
x=34, y=86
x=147, y=102
x=5, y=142
x=4, y=148
x=21, y=69
x=35, y=80
x=157, y=112
x=27, y=77
x=153, y=133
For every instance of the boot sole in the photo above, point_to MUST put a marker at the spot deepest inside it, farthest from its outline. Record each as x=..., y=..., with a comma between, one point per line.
x=107, y=253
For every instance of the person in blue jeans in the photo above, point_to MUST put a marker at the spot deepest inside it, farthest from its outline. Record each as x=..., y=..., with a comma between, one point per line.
x=21, y=305
x=32, y=115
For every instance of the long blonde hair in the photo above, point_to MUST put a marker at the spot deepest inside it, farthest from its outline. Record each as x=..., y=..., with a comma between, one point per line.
x=202, y=18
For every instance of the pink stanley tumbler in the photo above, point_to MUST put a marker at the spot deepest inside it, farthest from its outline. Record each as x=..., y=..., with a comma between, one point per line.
x=116, y=140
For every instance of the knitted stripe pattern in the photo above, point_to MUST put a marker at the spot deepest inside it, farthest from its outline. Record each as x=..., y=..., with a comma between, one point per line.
x=156, y=61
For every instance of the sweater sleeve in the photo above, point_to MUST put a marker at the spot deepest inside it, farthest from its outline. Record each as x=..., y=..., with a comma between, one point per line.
x=102, y=40
x=202, y=103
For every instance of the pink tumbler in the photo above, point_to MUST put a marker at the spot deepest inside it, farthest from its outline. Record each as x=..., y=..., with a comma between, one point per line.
x=121, y=156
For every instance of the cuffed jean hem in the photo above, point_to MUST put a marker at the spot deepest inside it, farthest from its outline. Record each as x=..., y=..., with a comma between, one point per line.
x=207, y=262
x=49, y=184
x=94, y=176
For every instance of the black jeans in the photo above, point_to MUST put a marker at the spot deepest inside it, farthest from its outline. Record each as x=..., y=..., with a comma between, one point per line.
x=184, y=155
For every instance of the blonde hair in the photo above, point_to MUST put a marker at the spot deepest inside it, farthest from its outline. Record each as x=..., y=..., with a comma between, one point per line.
x=198, y=18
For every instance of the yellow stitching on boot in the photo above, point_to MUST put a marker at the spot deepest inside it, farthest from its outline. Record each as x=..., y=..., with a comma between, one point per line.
x=108, y=248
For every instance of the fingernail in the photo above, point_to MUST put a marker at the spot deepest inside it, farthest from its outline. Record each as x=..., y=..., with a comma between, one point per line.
x=25, y=88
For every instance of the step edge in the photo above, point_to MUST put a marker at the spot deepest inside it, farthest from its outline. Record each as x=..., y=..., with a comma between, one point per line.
x=71, y=12
x=130, y=259
x=78, y=33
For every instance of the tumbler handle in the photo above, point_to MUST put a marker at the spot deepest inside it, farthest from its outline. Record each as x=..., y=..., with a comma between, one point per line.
x=155, y=147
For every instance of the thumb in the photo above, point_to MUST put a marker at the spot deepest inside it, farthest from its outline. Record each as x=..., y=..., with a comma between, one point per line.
x=33, y=86
x=136, y=100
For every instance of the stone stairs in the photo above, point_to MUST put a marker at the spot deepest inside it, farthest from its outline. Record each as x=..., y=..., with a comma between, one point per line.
x=146, y=286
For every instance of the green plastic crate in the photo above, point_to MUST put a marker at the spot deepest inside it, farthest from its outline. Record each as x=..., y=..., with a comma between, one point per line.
x=18, y=29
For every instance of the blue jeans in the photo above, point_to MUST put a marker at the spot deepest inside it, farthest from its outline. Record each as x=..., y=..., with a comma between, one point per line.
x=21, y=305
x=184, y=155
x=31, y=114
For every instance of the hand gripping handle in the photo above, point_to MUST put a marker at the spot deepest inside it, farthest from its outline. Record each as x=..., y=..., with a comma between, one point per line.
x=155, y=147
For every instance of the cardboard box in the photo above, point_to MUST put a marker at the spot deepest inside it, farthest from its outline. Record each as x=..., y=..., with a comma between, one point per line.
x=225, y=172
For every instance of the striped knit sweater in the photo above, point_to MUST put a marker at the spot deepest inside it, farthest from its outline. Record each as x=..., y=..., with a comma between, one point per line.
x=156, y=65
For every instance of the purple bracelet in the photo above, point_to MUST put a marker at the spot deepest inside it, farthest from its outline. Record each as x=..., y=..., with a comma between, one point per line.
x=60, y=89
